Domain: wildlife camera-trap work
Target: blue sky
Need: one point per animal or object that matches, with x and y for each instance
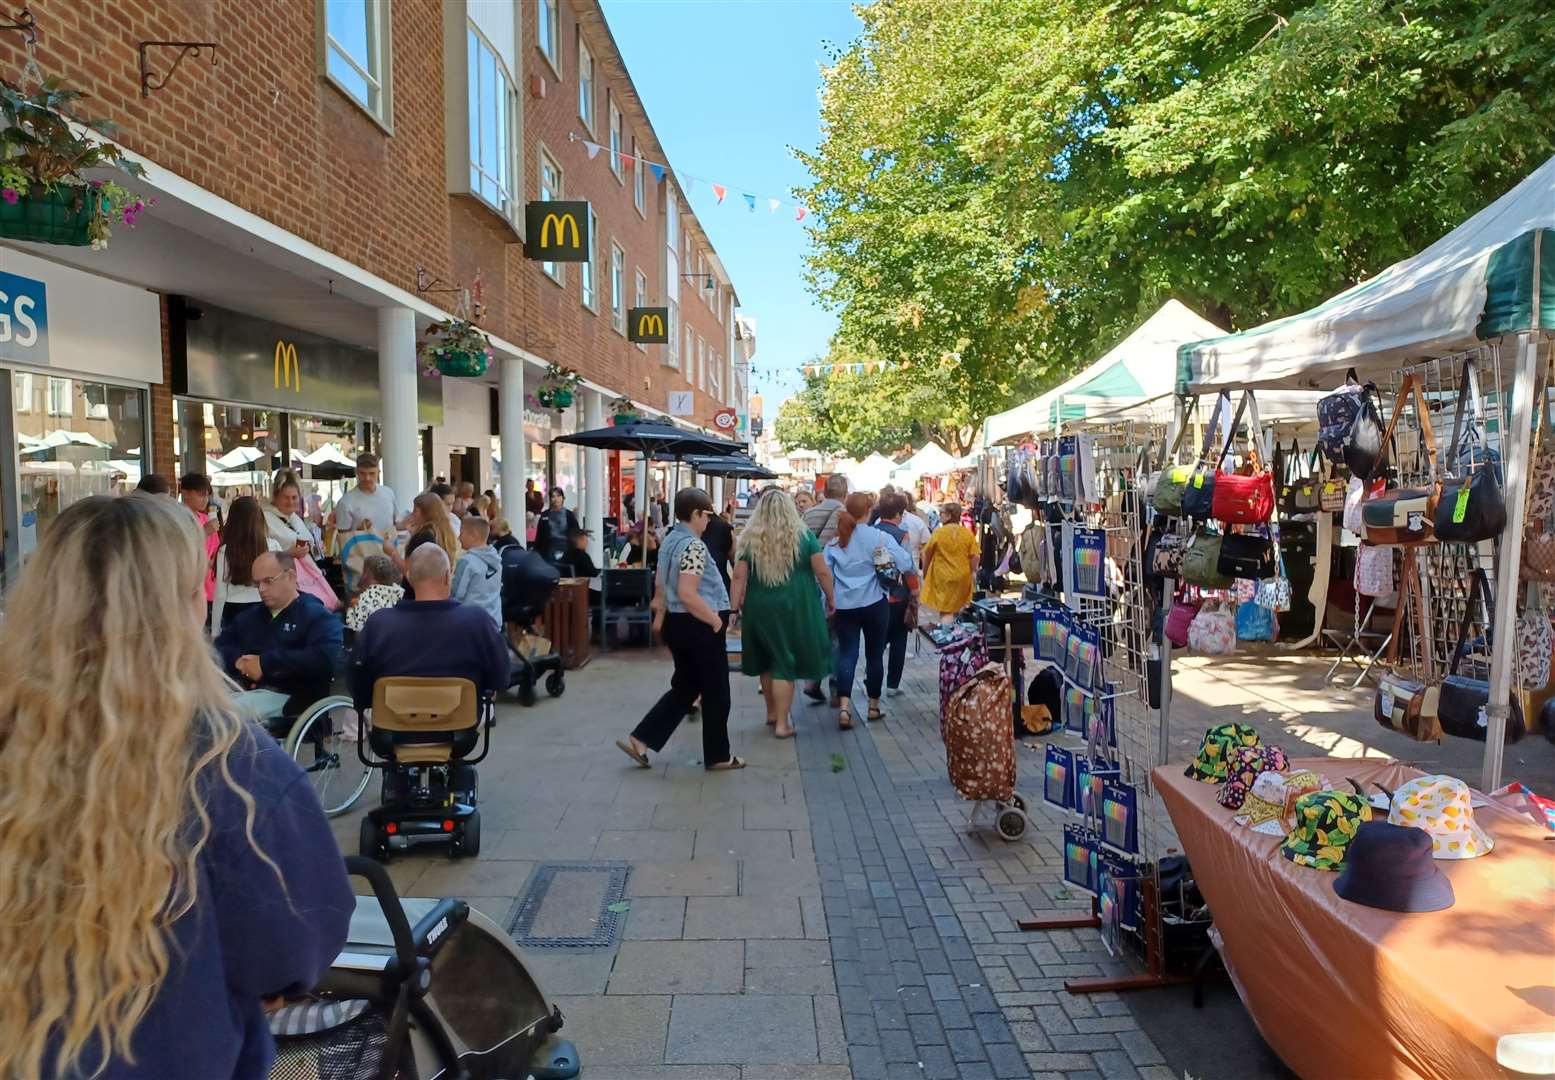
(730, 87)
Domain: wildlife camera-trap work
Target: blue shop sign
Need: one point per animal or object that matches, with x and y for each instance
(24, 320)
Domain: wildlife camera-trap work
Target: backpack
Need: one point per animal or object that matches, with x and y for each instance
(1336, 413)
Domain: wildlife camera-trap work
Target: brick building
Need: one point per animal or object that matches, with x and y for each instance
(338, 180)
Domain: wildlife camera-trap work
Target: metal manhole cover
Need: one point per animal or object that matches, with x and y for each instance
(568, 904)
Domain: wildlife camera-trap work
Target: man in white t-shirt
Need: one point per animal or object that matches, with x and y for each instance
(370, 505)
(918, 534)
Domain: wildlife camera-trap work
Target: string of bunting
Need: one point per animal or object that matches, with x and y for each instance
(866, 368)
(690, 180)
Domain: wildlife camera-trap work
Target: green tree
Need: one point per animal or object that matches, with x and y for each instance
(1005, 187)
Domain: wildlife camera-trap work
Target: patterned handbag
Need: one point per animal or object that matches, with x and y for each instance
(1354, 495)
(1166, 552)
(979, 743)
(1535, 642)
(1213, 631)
(1336, 413)
(963, 657)
(1330, 495)
(1538, 559)
(1374, 570)
(1275, 593)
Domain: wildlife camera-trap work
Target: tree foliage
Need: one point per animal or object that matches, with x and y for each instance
(1006, 187)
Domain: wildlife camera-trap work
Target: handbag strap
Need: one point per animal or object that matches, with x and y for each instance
(1468, 397)
(1409, 387)
(1477, 584)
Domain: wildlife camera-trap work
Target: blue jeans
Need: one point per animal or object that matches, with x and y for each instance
(871, 622)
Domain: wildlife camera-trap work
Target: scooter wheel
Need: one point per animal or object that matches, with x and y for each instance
(1011, 824)
(370, 844)
(556, 683)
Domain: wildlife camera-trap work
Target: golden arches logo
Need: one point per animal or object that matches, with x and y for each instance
(287, 371)
(650, 324)
(563, 223)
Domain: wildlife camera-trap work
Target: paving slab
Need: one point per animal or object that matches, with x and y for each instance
(760, 844)
(569, 972)
(679, 967)
(687, 877)
(743, 917)
(652, 918)
(664, 845)
(617, 1030)
(779, 877)
(757, 1029)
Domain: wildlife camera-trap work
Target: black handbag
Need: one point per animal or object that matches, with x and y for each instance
(1363, 444)
(1198, 498)
(1461, 705)
(1244, 555)
(1471, 507)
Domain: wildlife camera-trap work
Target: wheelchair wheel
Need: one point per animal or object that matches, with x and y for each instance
(556, 683)
(323, 742)
(467, 841)
(370, 844)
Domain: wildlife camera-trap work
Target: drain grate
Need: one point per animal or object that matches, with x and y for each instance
(566, 904)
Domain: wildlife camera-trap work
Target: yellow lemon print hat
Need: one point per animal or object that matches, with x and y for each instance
(1444, 809)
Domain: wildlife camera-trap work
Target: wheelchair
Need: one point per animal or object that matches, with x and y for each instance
(422, 736)
(319, 739)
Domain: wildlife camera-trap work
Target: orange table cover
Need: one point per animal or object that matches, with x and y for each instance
(1339, 989)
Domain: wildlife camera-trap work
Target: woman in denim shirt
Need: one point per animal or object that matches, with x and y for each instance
(694, 597)
(861, 602)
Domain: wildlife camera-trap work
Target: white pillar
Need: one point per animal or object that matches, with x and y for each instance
(515, 454)
(397, 385)
(594, 477)
(718, 494)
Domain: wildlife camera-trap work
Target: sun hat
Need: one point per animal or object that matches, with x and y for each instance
(1390, 867)
(1244, 764)
(1210, 765)
(1271, 801)
(1443, 807)
(1326, 822)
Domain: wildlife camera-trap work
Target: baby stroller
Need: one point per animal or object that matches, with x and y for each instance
(429, 989)
(527, 584)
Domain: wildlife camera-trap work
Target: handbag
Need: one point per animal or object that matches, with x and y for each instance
(1354, 495)
(1330, 494)
(1298, 483)
(1168, 481)
(1374, 570)
(1535, 642)
(1243, 555)
(1201, 562)
(1403, 703)
(1364, 441)
(1177, 622)
(1198, 497)
(1166, 553)
(1275, 593)
(1213, 631)
(1405, 516)
(1462, 702)
(1242, 498)
(1336, 413)
(1471, 507)
(311, 580)
(1254, 622)
(1538, 558)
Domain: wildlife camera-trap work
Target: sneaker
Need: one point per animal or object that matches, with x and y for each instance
(815, 694)
(893, 691)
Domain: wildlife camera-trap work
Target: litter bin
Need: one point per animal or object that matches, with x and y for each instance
(567, 621)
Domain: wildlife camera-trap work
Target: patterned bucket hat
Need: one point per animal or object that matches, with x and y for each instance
(1219, 741)
(1443, 807)
(1244, 764)
(1325, 823)
(1271, 802)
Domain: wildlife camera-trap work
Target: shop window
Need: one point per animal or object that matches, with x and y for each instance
(492, 111)
(617, 145)
(239, 448)
(60, 403)
(356, 51)
(715, 374)
(618, 288)
(587, 272)
(548, 32)
(550, 191)
(585, 85)
(96, 396)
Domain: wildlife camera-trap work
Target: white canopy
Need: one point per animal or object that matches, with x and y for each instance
(240, 456)
(871, 474)
(61, 437)
(1137, 368)
(932, 460)
(328, 454)
(1429, 305)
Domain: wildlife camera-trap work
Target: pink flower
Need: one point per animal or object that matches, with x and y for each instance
(129, 218)
(9, 195)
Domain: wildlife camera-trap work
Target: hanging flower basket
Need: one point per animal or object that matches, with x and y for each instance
(456, 349)
(460, 363)
(562, 396)
(559, 388)
(60, 216)
(623, 412)
(621, 419)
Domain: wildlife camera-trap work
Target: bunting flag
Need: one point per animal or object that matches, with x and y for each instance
(750, 201)
(799, 213)
(772, 205)
(626, 160)
(719, 191)
(658, 172)
(593, 148)
(688, 181)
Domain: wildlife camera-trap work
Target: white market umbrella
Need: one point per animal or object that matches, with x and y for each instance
(240, 456)
(328, 454)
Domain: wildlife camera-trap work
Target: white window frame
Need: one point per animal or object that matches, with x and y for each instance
(586, 88)
(638, 198)
(550, 45)
(715, 375)
(94, 410)
(617, 287)
(691, 354)
(23, 391)
(642, 298)
(554, 270)
(588, 272)
(701, 362)
(617, 145)
(508, 204)
(379, 83)
(64, 389)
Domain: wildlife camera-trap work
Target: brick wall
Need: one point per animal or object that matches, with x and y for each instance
(163, 459)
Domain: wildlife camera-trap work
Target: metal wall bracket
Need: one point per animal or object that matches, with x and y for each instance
(150, 80)
(25, 24)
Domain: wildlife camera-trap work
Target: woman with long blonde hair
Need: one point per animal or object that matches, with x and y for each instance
(164, 866)
(430, 523)
(780, 577)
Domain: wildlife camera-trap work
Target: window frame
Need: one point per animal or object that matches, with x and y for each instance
(616, 136)
(641, 283)
(22, 398)
(639, 197)
(550, 46)
(617, 287)
(514, 135)
(588, 272)
(586, 90)
(556, 271)
(380, 35)
(64, 385)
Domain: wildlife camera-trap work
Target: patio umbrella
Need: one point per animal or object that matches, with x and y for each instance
(240, 456)
(735, 466)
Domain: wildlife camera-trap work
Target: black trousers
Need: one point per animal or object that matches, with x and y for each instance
(896, 643)
(701, 669)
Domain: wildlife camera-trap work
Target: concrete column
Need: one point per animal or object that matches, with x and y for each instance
(594, 477)
(515, 453)
(718, 494)
(397, 384)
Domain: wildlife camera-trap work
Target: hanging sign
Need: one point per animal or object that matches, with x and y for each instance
(682, 403)
(557, 231)
(726, 420)
(648, 325)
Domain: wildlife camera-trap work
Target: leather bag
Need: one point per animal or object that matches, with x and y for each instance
(1201, 562)
(1471, 507)
(1364, 441)
(1243, 555)
(1330, 496)
(1297, 490)
(1406, 516)
(1177, 622)
(1463, 700)
(1402, 702)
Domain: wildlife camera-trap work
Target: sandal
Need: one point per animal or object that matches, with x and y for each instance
(724, 766)
(845, 720)
(789, 734)
(873, 715)
(632, 752)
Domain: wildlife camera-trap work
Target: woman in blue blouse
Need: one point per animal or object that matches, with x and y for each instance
(856, 556)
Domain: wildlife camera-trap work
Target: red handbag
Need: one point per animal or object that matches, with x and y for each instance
(1244, 500)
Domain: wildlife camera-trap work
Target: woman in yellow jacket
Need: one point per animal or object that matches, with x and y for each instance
(950, 565)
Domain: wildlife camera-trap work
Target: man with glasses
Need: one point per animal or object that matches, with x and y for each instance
(284, 651)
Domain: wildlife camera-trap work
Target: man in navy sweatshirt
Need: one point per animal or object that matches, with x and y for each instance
(430, 636)
(284, 651)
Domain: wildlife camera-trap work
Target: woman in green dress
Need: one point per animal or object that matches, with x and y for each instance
(779, 581)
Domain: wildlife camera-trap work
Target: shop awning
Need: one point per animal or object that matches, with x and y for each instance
(1473, 284)
(1136, 369)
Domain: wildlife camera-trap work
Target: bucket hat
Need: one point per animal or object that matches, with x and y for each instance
(1271, 801)
(1210, 765)
(1244, 764)
(1444, 809)
(1390, 867)
(1326, 822)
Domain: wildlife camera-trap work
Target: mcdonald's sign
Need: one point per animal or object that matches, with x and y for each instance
(648, 325)
(557, 231)
(287, 371)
